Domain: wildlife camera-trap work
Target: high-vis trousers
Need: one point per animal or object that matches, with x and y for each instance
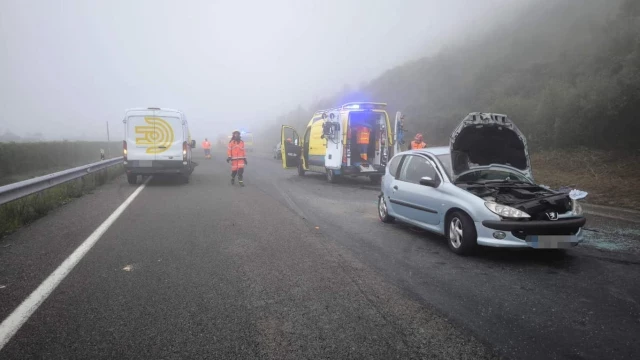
(363, 151)
(237, 168)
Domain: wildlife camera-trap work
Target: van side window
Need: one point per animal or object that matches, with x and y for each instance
(416, 167)
(393, 165)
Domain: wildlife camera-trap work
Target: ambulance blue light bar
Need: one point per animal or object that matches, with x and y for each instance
(364, 106)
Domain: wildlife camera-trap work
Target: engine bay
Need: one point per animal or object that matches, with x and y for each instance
(530, 198)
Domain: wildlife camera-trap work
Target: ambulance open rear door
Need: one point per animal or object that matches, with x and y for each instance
(332, 133)
(398, 133)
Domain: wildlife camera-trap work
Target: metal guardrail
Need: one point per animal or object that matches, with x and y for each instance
(24, 188)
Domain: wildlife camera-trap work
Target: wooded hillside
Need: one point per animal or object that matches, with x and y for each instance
(567, 72)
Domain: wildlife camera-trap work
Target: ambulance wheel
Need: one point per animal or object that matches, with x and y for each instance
(331, 176)
(300, 170)
(375, 179)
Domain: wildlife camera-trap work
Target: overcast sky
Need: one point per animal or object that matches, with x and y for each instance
(67, 67)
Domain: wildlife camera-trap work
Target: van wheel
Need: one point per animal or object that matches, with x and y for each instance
(185, 179)
(462, 237)
(375, 179)
(132, 179)
(331, 176)
(383, 211)
(301, 170)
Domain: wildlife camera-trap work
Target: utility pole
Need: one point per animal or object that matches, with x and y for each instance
(108, 142)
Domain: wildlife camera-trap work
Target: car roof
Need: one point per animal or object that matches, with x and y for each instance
(436, 150)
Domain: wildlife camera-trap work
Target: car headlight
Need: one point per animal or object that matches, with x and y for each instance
(506, 211)
(576, 208)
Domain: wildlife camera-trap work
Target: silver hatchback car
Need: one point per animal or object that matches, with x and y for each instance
(479, 191)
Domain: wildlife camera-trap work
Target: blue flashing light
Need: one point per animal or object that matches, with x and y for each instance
(364, 106)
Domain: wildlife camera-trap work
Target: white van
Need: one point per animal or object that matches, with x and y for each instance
(156, 141)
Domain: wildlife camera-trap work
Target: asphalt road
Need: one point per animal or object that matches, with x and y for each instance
(292, 267)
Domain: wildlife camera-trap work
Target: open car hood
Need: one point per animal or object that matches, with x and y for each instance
(484, 139)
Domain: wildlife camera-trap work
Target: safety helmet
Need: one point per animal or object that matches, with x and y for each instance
(235, 131)
(418, 137)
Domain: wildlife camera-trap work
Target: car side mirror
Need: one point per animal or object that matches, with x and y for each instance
(427, 181)
(193, 144)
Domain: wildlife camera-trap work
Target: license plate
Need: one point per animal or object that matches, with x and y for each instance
(550, 241)
(145, 163)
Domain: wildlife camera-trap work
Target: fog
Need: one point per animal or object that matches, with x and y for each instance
(68, 67)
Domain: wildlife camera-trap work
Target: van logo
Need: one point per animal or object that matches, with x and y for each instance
(552, 215)
(157, 136)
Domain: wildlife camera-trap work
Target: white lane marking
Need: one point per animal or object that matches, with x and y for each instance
(21, 314)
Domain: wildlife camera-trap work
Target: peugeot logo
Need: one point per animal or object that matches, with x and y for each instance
(552, 215)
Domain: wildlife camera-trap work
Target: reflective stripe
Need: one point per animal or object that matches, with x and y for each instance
(363, 136)
(235, 150)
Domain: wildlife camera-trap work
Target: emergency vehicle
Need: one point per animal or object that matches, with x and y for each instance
(330, 142)
(247, 137)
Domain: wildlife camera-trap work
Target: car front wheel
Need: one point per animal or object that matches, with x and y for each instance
(461, 233)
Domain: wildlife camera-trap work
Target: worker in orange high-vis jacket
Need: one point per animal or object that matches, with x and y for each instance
(237, 156)
(206, 145)
(417, 143)
(363, 134)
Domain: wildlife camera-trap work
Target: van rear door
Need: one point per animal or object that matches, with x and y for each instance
(140, 138)
(169, 136)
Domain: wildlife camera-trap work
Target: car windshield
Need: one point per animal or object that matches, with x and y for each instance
(445, 160)
(492, 175)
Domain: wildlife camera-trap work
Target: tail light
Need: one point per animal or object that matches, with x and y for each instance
(184, 151)
(124, 150)
(344, 155)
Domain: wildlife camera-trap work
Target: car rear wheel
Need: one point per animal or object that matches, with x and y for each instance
(132, 179)
(461, 233)
(383, 211)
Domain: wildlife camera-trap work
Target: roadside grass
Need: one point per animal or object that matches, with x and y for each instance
(24, 211)
(610, 178)
(20, 161)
